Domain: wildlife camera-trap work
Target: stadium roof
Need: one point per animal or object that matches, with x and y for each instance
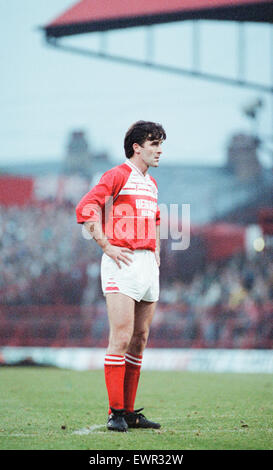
(102, 15)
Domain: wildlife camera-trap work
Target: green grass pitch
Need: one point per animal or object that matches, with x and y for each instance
(55, 409)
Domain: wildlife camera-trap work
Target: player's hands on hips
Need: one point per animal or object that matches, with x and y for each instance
(118, 254)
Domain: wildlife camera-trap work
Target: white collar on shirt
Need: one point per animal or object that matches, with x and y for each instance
(134, 167)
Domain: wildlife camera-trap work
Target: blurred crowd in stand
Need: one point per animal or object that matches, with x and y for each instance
(48, 266)
(227, 305)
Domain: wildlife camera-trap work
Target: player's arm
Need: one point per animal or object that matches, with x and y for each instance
(89, 212)
(117, 253)
(157, 247)
(157, 231)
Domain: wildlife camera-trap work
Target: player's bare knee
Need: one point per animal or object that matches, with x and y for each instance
(119, 342)
(139, 341)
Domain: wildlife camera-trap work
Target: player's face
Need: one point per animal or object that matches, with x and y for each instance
(150, 152)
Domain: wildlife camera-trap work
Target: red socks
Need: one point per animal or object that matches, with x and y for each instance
(114, 370)
(121, 379)
(132, 373)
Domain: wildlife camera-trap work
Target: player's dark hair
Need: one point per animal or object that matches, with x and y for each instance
(141, 131)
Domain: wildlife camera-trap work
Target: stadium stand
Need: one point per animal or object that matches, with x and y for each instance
(216, 294)
(51, 295)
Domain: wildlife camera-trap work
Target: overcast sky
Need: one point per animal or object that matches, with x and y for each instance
(46, 93)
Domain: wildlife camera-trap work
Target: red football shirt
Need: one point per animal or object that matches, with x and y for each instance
(125, 201)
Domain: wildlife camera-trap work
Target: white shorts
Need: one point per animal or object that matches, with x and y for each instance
(139, 280)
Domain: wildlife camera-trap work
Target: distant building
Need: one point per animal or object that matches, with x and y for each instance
(81, 160)
(232, 192)
(78, 157)
(242, 158)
